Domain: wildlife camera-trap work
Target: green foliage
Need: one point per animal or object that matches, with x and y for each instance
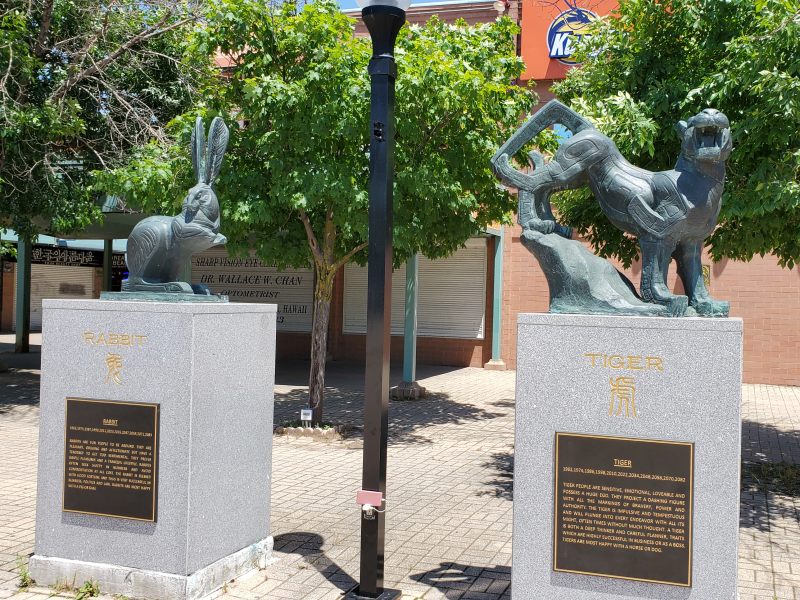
(8, 249)
(654, 63)
(82, 82)
(299, 82)
(25, 579)
(89, 589)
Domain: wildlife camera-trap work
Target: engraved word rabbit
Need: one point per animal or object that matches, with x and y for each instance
(159, 247)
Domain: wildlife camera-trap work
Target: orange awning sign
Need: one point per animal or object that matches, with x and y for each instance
(552, 29)
(565, 31)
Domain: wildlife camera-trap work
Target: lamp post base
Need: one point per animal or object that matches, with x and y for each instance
(386, 594)
(408, 390)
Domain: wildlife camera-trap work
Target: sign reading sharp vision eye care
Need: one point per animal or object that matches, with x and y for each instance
(623, 508)
(551, 29)
(247, 279)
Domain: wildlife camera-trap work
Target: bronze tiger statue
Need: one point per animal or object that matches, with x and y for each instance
(670, 212)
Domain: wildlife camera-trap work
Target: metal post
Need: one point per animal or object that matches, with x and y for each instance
(409, 388)
(384, 23)
(108, 264)
(410, 333)
(497, 363)
(22, 338)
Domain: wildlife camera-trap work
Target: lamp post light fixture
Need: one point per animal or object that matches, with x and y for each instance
(383, 19)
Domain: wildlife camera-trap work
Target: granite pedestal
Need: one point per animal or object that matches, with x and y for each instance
(210, 369)
(652, 406)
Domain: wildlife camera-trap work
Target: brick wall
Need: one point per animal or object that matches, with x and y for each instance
(764, 295)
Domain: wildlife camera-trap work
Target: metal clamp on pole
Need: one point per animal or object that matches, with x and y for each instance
(371, 503)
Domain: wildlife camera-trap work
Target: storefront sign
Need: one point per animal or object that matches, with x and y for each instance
(247, 279)
(566, 30)
(71, 257)
(551, 29)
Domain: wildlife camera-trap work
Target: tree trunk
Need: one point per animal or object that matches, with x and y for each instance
(323, 294)
(325, 268)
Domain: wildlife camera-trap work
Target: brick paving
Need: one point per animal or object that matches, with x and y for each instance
(449, 496)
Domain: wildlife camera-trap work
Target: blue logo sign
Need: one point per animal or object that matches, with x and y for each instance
(566, 30)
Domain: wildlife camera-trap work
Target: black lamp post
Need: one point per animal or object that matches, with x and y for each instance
(383, 19)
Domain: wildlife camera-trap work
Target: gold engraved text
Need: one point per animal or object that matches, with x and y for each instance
(114, 365)
(93, 464)
(113, 339)
(625, 518)
(623, 394)
(630, 362)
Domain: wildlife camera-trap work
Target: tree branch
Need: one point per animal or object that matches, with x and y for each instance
(312, 239)
(347, 257)
(329, 237)
(40, 49)
(97, 67)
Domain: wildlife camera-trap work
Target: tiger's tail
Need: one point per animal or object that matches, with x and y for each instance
(551, 113)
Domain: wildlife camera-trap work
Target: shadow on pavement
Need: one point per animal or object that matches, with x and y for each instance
(407, 418)
(309, 546)
(486, 582)
(502, 485)
(25, 360)
(766, 443)
(346, 375)
(18, 388)
(344, 398)
(770, 474)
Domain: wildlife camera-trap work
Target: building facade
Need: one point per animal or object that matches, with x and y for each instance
(59, 269)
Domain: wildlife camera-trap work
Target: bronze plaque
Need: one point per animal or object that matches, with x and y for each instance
(111, 458)
(623, 508)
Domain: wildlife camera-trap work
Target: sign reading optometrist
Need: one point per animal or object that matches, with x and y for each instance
(551, 30)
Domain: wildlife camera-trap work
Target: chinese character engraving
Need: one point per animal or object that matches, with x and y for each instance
(707, 275)
(623, 393)
(114, 365)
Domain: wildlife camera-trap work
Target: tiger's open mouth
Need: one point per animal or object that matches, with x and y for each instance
(711, 135)
(707, 137)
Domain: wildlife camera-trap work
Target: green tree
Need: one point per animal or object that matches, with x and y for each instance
(653, 63)
(82, 82)
(295, 184)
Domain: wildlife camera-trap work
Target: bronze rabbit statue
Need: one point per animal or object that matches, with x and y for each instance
(159, 247)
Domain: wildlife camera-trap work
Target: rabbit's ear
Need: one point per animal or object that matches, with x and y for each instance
(198, 147)
(217, 142)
